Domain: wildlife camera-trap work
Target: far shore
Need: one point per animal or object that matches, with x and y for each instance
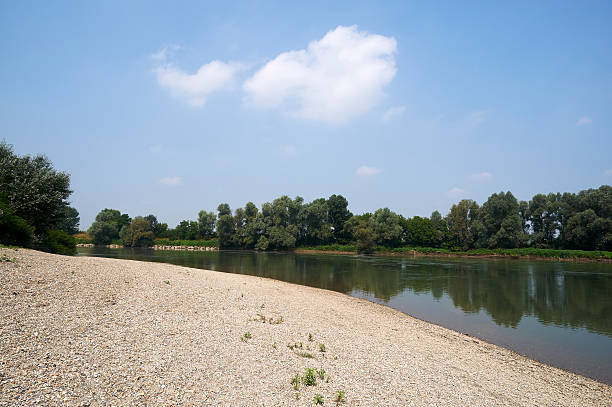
(97, 331)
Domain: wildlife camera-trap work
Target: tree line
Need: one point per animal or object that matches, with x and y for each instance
(555, 221)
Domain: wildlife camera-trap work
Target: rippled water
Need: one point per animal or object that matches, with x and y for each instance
(559, 313)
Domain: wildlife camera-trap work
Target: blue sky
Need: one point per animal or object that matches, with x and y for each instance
(170, 108)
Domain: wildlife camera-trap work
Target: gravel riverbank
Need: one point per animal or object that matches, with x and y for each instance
(82, 331)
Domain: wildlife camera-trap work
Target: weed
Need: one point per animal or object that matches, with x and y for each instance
(246, 337)
(340, 397)
(322, 347)
(295, 381)
(297, 396)
(276, 321)
(305, 354)
(321, 373)
(318, 399)
(167, 282)
(7, 259)
(274, 345)
(309, 378)
(310, 337)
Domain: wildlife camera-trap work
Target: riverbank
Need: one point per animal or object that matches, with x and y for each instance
(160, 247)
(97, 331)
(575, 256)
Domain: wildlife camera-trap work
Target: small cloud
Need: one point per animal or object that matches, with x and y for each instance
(482, 176)
(162, 54)
(289, 150)
(393, 113)
(194, 88)
(455, 192)
(333, 79)
(475, 118)
(584, 120)
(171, 181)
(156, 148)
(608, 173)
(365, 171)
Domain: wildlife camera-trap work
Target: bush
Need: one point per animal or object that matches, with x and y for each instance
(60, 242)
(14, 231)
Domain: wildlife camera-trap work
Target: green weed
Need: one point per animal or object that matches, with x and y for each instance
(318, 399)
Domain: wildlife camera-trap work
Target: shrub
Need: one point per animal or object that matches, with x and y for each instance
(60, 242)
(14, 231)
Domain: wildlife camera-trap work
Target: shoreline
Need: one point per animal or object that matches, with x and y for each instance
(158, 334)
(415, 253)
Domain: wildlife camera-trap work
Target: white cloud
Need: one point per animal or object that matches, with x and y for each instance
(608, 173)
(393, 113)
(365, 171)
(482, 176)
(584, 120)
(475, 118)
(163, 53)
(289, 150)
(171, 181)
(337, 77)
(455, 192)
(194, 88)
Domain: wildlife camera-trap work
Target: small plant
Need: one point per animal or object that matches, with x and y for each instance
(310, 337)
(295, 381)
(305, 354)
(167, 282)
(5, 258)
(321, 373)
(297, 396)
(318, 399)
(309, 378)
(246, 337)
(340, 397)
(322, 347)
(274, 345)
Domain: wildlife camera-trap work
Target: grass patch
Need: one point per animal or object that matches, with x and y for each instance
(246, 337)
(318, 399)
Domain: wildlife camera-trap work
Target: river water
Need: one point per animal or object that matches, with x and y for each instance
(556, 312)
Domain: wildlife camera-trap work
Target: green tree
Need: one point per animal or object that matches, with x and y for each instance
(158, 229)
(387, 226)
(206, 224)
(225, 225)
(421, 232)
(338, 215)
(138, 233)
(70, 221)
(60, 242)
(503, 223)
(460, 220)
(107, 226)
(34, 191)
(186, 229)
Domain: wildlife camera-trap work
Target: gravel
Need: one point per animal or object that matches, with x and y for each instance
(79, 331)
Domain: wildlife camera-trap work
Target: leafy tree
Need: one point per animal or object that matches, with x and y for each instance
(70, 221)
(107, 226)
(187, 230)
(206, 224)
(138, 233)
(587, 231)
(158, 229)
(338, 215)
(421, 232)
(34, 189)
(313, 223)
(225, 225)
(387, 226)
(460, 221)
(500, 216)
(365, 238)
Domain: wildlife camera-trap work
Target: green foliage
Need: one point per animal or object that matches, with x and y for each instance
(14, 231)
(322, 347)
(225, 226)
(246, 337)
(421, 232)
(206, 224)
(340, 397)
(138, 233)
(318, 399)
(59, 242)
(70, 220)
(34, 189)
(105, 229)
(309, 378)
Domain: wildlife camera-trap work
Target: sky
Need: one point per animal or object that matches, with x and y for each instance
(173, 107)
